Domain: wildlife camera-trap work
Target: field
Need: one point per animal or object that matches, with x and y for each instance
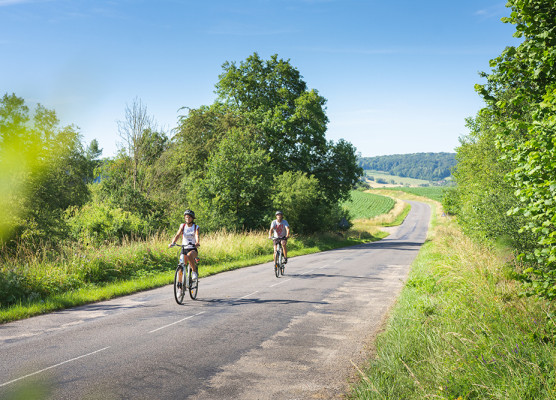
(368, 205)
(381, 179)
(384, 178)
(432, 192)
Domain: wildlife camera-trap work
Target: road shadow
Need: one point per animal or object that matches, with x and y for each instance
(254, 300)
(334, 276)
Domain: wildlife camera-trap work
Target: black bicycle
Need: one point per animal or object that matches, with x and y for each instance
(183, 278)
(278, 259)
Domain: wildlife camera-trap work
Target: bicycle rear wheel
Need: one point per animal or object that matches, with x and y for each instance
(193, 284)
(179, 290)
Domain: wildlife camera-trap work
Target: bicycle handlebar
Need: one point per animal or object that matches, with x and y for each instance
(182, 245)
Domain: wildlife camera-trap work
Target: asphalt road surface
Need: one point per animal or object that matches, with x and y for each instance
(249, 335)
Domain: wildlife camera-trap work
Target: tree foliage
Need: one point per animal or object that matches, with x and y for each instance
(44, 170)
(272, 96)
(234, 193)
(427, 166)
(519, 93)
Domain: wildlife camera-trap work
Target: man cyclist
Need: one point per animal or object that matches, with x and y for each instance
(190, 239)
(281, 230)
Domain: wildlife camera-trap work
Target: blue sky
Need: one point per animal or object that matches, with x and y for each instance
(398, 75)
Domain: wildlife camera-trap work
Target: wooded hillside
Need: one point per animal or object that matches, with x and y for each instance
(428, 166)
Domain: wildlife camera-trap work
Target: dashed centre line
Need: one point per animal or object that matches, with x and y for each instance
(250, 294)
(279, 283)
(53, 366)
(177, 322)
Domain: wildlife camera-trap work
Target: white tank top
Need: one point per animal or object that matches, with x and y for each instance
(189, 234)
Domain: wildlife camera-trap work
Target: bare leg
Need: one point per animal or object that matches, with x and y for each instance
(191, 258)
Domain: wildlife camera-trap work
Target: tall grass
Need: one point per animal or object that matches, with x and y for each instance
(461, 330)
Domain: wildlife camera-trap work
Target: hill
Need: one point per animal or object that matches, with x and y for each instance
(426, 166)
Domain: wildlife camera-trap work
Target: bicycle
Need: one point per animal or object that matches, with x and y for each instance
(184, 281)
(278, 259)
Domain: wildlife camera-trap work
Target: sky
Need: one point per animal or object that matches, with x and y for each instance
(398, 75)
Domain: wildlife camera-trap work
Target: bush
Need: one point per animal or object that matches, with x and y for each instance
(300, 197)
(94, 224)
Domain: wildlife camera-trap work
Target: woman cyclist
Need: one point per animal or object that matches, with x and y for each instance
(281, 230)
(190, 239)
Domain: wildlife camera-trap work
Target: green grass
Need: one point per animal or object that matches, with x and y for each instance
(368, 205)
(433, 192)
(461, 330)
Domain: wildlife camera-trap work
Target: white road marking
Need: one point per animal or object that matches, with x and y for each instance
(177, 322)
(251, 294)
(53, 366)
(279, 283)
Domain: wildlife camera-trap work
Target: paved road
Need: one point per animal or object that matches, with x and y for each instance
(249, 335)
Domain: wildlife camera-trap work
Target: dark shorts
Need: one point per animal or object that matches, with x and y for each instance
(278, 240)
(187, 250)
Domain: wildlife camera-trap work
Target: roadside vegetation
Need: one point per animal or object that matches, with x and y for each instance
(462, 328)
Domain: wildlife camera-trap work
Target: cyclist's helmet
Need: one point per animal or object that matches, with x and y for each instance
(279, 212)
(189, 212)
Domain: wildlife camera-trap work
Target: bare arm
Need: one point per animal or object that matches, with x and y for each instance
(180, 231)
(197, 244)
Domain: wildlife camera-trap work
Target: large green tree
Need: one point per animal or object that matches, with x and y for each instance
(273, 96)
(289, 121)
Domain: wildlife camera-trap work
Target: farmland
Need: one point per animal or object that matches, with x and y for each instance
(432, 192)
(367, 205)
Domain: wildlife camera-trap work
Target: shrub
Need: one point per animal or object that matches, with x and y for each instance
(94, 224)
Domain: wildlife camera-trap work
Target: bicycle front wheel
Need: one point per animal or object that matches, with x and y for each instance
(179, 289)
(277, 265)
(193, 284)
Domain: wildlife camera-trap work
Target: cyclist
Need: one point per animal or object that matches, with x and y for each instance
(281, 230)
(190, 238)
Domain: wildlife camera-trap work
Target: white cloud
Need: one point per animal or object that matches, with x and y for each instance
(496, 11)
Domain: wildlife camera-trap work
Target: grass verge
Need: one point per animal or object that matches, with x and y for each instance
(461, 330)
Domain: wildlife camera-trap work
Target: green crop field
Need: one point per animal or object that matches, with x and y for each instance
(433, 192)
(367, 205)
(385, 177)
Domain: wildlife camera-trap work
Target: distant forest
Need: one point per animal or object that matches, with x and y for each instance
(427, 166)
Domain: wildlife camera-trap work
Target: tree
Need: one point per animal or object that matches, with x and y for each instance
(289, 121)
(300, 197)
(132, 131)
(272, 96)
(235, 193)
(338, 171)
